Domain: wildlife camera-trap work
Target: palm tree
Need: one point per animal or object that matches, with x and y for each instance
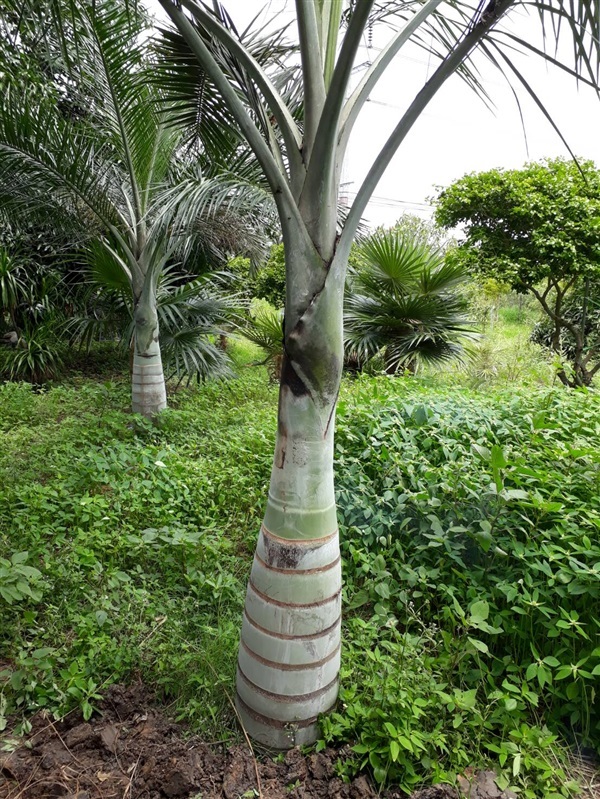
(264, 327)
(290, 648)
(192, 313)
(117, 172)
(403, 302)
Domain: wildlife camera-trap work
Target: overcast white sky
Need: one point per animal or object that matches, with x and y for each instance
(457, 133)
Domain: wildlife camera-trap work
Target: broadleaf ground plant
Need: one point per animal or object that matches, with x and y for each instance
(474, 567)
(468, 524)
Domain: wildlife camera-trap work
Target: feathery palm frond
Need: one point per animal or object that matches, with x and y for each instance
(49, 164)
(190, 355)
(195, 104)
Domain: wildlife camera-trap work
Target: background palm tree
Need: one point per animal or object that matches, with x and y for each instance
(403, 302)
(118, 173)
(193, 311)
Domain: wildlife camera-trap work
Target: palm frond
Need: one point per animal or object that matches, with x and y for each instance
(205, 303)
(49, 164)
(188, 354)
(121, 100)
(106, 267)
(402, 300)
(220, 216)
(195, 104)
(264, 327)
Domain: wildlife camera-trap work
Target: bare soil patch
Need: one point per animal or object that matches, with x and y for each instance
(132, 750)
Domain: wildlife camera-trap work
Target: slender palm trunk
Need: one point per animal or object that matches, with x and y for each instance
(290, 647)
(149, 395)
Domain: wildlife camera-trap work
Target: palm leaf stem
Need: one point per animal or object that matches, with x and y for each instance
(312, 72)
(320, 186)
(447, 68)
(332, 15)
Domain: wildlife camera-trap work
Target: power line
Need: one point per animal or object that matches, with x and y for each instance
(377, 199)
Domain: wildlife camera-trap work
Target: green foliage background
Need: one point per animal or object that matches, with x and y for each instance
(469, 527)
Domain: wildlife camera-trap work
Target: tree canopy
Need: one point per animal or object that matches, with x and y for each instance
(522, 226)
(536, 230)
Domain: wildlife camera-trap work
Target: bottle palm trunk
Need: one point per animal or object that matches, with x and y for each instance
(289, 653)
(149, 395)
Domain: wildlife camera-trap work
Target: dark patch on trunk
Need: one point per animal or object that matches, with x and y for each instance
(299, 328)
(283, 556)
(291, 380)
(332, 379)
(281, 457)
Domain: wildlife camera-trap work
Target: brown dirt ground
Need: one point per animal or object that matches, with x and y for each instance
(131, 750)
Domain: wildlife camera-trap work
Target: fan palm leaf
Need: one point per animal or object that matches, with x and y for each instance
(264, 327)
(402, 301)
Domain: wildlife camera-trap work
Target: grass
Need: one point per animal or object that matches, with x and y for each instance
(125, 549)
(84, 486)
(504, 356)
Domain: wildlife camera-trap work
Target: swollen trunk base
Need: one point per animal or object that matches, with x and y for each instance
(290, 646)
(149, 395)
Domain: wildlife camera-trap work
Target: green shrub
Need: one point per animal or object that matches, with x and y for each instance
(477, 517)
(269, 283)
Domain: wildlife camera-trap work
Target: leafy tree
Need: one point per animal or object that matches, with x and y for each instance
(403, 301)
(422, 230)
(116, 176)
(535, 230)
(269, 283)
(289, 656)
(265, 280)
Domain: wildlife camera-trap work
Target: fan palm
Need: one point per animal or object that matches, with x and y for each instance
(264, 327)
(117, 174)
(403, 301)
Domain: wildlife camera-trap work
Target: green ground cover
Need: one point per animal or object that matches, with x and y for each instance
(469, 519)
